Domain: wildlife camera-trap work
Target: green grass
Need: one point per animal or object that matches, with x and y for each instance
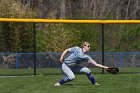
(54, 71)
(121, 83)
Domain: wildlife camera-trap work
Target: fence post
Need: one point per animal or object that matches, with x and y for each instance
(121, 59)
(17, 61)
(103, 61)
(34, 30)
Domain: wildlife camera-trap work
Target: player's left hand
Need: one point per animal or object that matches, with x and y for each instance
(112, 70)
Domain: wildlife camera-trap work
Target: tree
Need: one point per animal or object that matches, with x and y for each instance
(16, 37)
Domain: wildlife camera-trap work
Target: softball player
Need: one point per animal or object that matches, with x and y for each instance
(71, 64)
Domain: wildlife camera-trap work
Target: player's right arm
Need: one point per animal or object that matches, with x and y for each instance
(72, 49)
(63, 54)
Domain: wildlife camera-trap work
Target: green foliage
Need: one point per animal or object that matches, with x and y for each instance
(111, 37)
(122, 37)
(58, 37)
(90, 33)
(129, 39)
(16, 37)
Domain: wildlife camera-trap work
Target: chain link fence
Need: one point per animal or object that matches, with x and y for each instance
(121, 47)
(48, 62)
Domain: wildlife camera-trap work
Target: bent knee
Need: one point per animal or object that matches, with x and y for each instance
(86, 70)
(72, 77)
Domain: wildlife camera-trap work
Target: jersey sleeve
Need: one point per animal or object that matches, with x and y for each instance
(88, 58)
(72, 49)
(79, 54)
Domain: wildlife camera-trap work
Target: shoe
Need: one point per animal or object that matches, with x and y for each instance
(97, 84)
(57, 84)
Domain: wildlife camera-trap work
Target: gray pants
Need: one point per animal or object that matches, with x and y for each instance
(69, 71)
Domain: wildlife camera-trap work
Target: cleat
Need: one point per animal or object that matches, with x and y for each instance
(97, 84)
(57, 84)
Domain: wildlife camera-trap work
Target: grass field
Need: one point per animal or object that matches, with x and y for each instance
(121, 83)
(54, 71)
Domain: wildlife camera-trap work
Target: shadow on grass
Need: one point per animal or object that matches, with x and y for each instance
(77, 84)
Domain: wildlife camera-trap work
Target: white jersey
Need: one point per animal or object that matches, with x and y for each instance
(76, 57)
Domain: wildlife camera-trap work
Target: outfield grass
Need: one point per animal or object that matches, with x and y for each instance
(54, 71)
(121, 83)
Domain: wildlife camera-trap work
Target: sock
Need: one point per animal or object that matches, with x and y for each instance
(91, 78)
(64, 80)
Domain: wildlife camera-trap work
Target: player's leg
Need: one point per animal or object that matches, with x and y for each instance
(87, 71)
(69, 75)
